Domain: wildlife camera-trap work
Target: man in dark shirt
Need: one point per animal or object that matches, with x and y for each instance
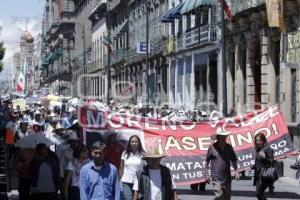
(219, 156)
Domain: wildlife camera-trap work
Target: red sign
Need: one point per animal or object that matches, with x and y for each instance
(186, 143)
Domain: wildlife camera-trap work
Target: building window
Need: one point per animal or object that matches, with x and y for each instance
(180, 26)
(173, 28)
(188, 22)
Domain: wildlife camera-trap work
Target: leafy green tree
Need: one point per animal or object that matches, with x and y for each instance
(2, 53)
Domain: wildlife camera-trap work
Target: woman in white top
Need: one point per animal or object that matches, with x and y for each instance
(79, 159)
(131, 164)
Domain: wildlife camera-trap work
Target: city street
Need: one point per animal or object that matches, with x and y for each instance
(97, 96)
(285, 188)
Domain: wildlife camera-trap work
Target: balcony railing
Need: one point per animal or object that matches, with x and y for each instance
(200, 35)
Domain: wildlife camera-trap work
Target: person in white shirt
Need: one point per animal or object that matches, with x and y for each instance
(71, 185)
(131, 165)
(153, 113)
(155, 182)
(13, 124)
(23, 130)
(11, 131)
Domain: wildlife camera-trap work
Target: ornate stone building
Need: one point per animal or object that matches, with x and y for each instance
(58, 45)
(260, 68)
(128, 63)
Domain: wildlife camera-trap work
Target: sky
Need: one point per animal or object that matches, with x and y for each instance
(15, 17)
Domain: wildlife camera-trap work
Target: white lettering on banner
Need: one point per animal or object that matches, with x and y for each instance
(147, 124)
(113, 125)
(187, 127)
(188, 143)
(248, 164)
(239, 121)
(99, 122)
(245, 157)
(281, 152)
(171, 123)
(266, 131)
(172, 142)
(177, 166)
(281, 144)
(176, 176)
(192, 175)
(135, 122)
(204, 143)
(240, 138)
(272, 111)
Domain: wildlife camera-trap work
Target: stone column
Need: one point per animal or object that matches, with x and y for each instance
(240, 75)
(220, 81)
(267, 76)
(230, 67)
(250, 87)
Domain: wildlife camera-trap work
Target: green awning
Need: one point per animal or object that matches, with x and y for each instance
(190, 5)
(50, 57)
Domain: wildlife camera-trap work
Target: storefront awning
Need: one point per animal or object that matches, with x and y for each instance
(173, 13)
(190, 5)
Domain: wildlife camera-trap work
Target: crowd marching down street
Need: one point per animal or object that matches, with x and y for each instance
(49, 151)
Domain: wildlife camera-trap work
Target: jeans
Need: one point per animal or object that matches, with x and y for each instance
(127, 193)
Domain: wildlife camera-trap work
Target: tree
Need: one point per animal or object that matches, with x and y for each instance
(2, 53)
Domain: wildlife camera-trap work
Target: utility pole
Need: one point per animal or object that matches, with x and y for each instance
(60, 48)
(224, 82)
(147, 54)
(108, 70)
(84, 60)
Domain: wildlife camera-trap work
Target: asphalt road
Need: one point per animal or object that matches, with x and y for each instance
(285, 189)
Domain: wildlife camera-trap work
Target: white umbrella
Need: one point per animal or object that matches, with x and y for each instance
(32, 140)
(178, 115)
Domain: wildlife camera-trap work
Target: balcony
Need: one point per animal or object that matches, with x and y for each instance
(199, 35)
(241, 5)
(118, 56)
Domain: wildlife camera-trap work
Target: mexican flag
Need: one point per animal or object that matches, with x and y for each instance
(21, 79)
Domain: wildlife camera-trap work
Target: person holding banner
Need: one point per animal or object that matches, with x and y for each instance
(219, 155)
(131, 164)
(264, 158)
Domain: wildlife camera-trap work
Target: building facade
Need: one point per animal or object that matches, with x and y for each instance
(58, 45)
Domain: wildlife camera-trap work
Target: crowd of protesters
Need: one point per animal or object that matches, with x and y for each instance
(64, 168)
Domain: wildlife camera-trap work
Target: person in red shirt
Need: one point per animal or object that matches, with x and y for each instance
(114, 149)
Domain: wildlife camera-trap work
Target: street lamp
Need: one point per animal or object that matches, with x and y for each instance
(60, 45)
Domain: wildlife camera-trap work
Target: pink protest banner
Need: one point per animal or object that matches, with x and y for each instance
(185, 144)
